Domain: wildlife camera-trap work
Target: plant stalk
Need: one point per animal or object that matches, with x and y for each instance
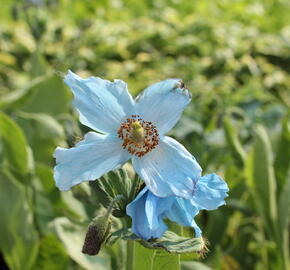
(130, 255)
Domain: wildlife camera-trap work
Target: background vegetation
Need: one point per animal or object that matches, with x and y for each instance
(234, 57)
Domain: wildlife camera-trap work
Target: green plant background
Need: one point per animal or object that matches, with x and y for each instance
(234, 56)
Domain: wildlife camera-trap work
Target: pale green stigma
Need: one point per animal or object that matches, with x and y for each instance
(137, 132)
(139, 136)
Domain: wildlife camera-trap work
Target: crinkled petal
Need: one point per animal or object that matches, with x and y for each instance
(211, 190)
(102, 105)
(155, 207)
(163, 103)
(147, 213)
(168, 170)
(183, 212)
(197, 230)
(88, 160)
(209, 194)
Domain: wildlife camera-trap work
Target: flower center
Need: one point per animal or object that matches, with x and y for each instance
(139, 136)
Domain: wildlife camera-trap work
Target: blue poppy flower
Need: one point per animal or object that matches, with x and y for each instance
(128, 129)
(148, 211)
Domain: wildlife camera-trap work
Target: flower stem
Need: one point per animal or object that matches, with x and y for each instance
(130, 255)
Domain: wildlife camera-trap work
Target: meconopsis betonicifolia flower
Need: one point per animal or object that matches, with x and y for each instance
(127, 129)
(148, 211)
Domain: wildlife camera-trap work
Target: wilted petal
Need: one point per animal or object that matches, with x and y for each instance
(183, 212)
(147, 210)
(102, 105)
(168, 170)
(209, 194)
(163, 103)
(88, 160)
(211, 190)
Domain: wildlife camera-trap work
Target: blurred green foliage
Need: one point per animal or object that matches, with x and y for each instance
(234, 57)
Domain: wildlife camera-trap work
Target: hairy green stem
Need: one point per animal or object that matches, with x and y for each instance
(130, 255)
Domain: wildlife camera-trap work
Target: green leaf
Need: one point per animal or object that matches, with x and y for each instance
(284, 207)
(14, 99)
(19, 239)
(284, 220)
(73, 236)
(52, 254)
(148, 259)
(48, 196)
(169, 242)
(45, 175)
(263, 180)
(43, 132)
(194, 266)
(38, 64)
(14, 145)
(282, 159)
(44, 125)
(44, 201)
(49, 96)
(234, 142)
(74, 208)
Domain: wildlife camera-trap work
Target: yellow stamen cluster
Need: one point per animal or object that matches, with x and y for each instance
(139, 136)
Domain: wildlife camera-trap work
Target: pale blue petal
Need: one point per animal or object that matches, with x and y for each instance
(102, 105)
(183, 213)
(197, 230)
(155, 208)
(88, 160)
(163, 103)
(211, 190)
(147, 213)
(168, 170)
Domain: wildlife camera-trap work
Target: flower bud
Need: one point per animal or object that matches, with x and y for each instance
(96, 235)
(99, 230)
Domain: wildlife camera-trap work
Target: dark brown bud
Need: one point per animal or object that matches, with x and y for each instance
(96, 235)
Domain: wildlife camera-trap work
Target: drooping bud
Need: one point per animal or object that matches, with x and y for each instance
(98, 230)
(96, 235)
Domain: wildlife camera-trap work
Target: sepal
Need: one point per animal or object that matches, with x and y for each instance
(170, 242)
(115, 183)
